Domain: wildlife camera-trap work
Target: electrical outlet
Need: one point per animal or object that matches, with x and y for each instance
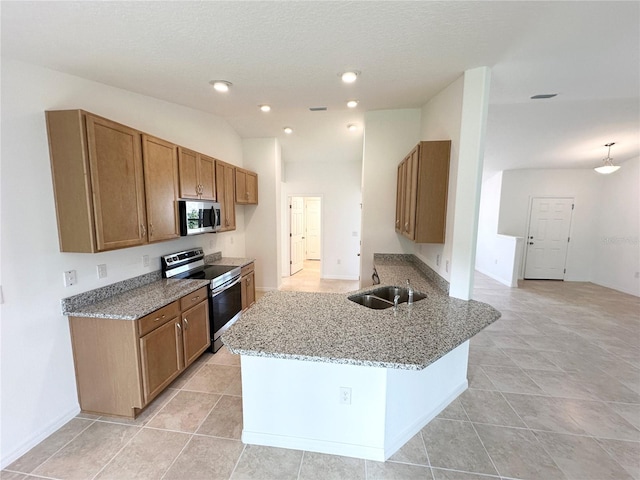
(446, 266)
(145, 260)
(345, 395)
(70, 278)
(102, 270)
(438, 260)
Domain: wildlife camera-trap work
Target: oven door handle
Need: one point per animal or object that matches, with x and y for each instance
(222, 288)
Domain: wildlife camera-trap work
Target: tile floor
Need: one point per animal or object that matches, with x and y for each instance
(308, 280)
(554, 393)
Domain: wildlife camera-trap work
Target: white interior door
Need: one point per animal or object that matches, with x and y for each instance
(312, 235)
(296, 234)
(548, 238)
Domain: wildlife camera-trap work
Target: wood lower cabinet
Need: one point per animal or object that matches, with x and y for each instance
(248, 290)
(225, 188)
(122, 365)
(421, 196)
(197, 175)
(246, 187)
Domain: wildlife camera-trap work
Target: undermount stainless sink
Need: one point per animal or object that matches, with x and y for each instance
(371, 301)
(383, 297)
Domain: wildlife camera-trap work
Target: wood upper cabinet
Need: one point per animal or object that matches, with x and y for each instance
(246, 187)
(197, 175)
(98, 182)
(122, 365)
(225, 188)
(248, 286)
(421, 196)
(161, 188)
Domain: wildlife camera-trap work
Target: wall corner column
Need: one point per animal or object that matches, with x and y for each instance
(475, 105)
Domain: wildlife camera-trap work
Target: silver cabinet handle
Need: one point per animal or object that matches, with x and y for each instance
(143, 229)
(186, 323)
(159, 318)
(179, 328)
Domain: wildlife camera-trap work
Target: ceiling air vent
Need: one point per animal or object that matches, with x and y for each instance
(543, 96)
(318, 109)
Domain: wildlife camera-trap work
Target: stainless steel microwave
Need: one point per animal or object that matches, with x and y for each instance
(198, 217)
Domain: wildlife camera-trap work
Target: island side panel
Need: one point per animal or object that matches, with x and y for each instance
(297, 404)
(415, 397)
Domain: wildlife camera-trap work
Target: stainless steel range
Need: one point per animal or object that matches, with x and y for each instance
(225, 298)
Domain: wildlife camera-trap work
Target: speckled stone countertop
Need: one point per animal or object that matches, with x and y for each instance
(138, 302)
(328, 327)
(231, 261)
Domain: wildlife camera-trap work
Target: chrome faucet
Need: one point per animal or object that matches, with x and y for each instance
(410, 292)
(396, 299)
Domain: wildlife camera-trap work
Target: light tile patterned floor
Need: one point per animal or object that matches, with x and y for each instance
(554, 394)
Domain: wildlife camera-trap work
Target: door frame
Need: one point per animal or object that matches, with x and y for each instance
(527, 234)
(288, 231)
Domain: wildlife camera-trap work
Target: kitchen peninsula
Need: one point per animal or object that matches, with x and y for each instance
(325, 374)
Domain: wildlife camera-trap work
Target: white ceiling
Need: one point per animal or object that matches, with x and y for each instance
(289, 54)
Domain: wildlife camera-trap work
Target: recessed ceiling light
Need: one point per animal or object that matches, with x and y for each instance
(542, 96)
(352, 127)
(352, 103)
(265, 108)
(349, 77)
(221, 85)
(288, 130)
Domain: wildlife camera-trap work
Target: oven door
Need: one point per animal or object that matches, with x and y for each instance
(225, 305)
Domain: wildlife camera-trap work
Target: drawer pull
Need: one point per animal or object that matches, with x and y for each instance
(158, 318)
(195, 298)
(186, 323)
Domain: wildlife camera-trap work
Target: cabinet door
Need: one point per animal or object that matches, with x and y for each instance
(400, 193)
(207, 178)
(225, 189)
(161, 187)
(411, 193)
(241, 186)
(161, 358)
(188, 169)
(117, 183)
(195, 327)
(251, 289)
(252, 188)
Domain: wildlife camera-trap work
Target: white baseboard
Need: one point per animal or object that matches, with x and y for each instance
(314, 445)
(496, 278)
(37, 437)
(340, 277)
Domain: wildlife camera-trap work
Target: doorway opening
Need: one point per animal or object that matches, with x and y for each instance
(548, 238)
(305, 233)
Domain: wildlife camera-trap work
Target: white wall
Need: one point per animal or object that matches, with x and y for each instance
(262, 221)
(388, 136)
(338, 184)
(441, 120)
(38, 391)
(519, 186)
(617, 249)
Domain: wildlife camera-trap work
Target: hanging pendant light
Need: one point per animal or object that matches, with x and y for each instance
(607, 166)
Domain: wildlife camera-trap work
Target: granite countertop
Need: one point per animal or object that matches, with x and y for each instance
(232, 261)
(138, 302)
(328, 327)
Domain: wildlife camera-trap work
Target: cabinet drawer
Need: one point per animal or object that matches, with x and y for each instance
(194, 298)
(247, 269)
(157, 318)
